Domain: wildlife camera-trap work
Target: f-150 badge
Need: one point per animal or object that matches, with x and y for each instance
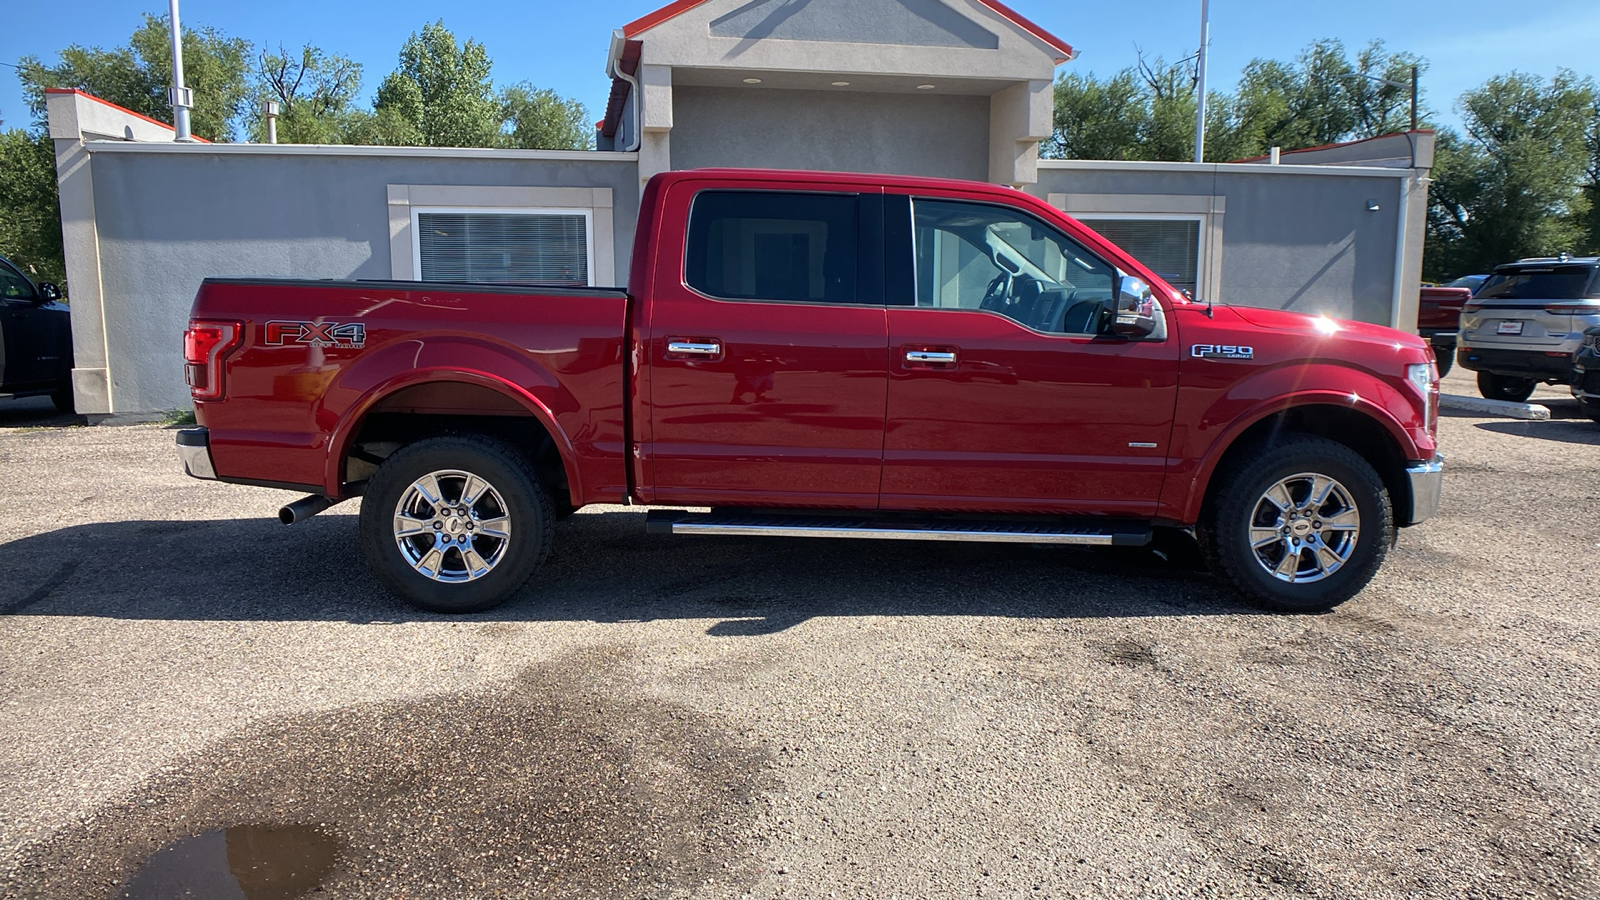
(316, 334)
(1222, 351)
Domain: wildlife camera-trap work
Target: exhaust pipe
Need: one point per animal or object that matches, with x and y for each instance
(304, 508)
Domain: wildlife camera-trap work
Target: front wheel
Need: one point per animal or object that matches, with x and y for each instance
(1505, 387)
(1300, 525)
(455, 524)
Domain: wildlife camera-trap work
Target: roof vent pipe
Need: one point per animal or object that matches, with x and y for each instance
(182, 98)
(1273, 157)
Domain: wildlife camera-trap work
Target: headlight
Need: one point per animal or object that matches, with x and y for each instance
(1425, 378)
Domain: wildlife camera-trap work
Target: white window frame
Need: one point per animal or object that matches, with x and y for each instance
(418, 211)
(594, 204)
(1089, 218)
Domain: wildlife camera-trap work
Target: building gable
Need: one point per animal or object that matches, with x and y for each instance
(925, 23)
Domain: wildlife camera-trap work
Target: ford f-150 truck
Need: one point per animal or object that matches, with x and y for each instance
(822, 355)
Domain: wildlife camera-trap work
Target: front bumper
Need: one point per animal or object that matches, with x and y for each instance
(1427, 483)
(194, 448)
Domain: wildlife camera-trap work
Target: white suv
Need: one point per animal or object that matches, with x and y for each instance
(1523, 326)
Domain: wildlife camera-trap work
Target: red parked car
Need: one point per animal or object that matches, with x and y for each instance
(822, 355)
(1439, 316)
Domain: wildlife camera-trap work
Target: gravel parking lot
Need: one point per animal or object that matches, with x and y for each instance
(660, 717)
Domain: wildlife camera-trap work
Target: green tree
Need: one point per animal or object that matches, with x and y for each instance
(541, 119)
(316, 93)
(30, 215)
(442, 91)
(1509, 187)
(136, 76)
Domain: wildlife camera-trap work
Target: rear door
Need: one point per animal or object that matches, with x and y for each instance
(767, 349)
(1005, 394)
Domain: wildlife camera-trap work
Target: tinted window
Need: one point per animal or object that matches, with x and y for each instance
(13, 286)
(1541, 283)
(767, 245)
(977, 256)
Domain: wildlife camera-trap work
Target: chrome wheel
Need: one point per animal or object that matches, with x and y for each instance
(452, 526)
(1304, 528)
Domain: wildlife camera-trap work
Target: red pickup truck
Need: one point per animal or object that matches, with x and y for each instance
(822, 355)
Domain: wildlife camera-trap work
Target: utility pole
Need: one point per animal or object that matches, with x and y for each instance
(182, 98)
(1200, 81)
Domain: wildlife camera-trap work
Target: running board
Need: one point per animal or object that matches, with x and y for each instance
(1115, 533)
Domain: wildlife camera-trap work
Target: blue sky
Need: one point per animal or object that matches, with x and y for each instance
(562, 45)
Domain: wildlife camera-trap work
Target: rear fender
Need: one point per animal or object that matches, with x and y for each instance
(1269, 393)
(362, 385)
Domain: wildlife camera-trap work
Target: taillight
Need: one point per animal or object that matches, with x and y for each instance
(1572, 309)
(205, 345)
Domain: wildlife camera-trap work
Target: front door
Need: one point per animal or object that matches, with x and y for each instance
(28, 346)
(1006, 392)
(768, 354)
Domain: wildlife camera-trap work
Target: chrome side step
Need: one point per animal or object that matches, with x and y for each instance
(1116, 533)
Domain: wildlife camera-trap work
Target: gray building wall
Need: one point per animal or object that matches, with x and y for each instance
(167, 220)
(1293, 238)
(900, 134)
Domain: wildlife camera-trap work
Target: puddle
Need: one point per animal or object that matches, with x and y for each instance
(246, 862)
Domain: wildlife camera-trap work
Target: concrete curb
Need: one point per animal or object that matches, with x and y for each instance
(1494, 407)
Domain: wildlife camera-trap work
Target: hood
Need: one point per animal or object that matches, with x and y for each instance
(1325, 327)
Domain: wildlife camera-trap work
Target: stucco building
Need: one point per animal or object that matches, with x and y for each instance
(954, 88)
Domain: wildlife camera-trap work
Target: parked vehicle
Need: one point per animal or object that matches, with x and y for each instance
(1586, 373)
(1439, 317)
(1470, 282)
(1526, 322)
(35, 339)
(822, 355)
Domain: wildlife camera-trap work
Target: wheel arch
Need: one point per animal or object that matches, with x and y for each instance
(1368, 430)
(441, 400)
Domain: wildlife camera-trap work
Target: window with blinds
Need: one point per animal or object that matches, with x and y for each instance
(1169, 247)
(491, 247)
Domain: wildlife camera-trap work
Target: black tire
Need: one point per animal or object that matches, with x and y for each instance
(514, 485)
(63, 400)
(1505, 387)
(1590, 409)
(1235, 504)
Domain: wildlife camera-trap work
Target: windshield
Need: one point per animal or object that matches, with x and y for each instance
(1540, 283)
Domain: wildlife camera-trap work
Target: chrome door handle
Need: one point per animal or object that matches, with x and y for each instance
(929, 356)
(694, 348)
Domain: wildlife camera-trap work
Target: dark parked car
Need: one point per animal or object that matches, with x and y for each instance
(1586, 373)
(35, 339)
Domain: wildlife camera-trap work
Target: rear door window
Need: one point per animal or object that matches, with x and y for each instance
(775, 246)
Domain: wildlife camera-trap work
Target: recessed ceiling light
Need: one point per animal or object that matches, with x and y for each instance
(924, 87)
(752, 81)
(841, 84)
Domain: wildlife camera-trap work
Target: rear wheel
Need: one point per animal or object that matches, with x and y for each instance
(1505, 387)
(1300, 525)
(455, 524)
(61, 397)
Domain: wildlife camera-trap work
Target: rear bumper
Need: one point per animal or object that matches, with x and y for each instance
(1517, 363)
(1427, 483)
(194, 448)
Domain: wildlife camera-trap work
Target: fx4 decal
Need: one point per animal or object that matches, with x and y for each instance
(1222, 351)
(316, 334)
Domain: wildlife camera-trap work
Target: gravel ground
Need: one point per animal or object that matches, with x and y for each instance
(662, 717)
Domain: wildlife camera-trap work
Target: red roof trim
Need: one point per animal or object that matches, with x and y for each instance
(123, 109)
(650, 20)
(1376, 137)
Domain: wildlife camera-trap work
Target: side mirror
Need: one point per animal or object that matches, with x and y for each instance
(49, 291)
(1136, 313)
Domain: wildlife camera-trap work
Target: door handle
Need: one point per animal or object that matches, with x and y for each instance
(694, 348)
(935, 357)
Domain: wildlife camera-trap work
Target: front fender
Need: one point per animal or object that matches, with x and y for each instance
(1215, 423)
(365, 383)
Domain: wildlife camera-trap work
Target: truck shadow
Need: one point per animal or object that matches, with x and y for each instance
(1569, 431)
(604, 568)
